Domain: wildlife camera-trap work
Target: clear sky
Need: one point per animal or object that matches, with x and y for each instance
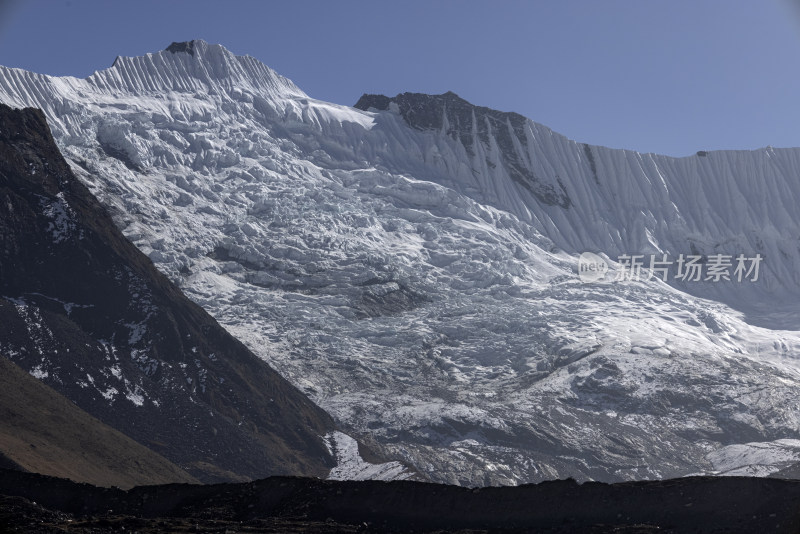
(671, 76)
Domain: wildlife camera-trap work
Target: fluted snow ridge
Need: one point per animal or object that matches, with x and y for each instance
(612, 201)
(192, 66)
(198, 67)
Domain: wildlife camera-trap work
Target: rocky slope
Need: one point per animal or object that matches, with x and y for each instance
(43, 432)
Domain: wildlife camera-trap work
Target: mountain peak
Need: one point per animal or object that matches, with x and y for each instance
(185, 46)
(473, 125)
(198, 48)
(381, 102)
(194, 66)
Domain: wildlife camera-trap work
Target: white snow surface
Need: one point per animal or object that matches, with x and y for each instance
(756, 459)
(421, 296)
(350, 465)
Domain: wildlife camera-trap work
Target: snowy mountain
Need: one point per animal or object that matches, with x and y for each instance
(590, 198)
(86, 312)
(412, 266)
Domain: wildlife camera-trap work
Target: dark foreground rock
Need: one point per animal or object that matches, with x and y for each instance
(35, 503)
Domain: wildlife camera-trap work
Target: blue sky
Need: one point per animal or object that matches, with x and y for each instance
(671, 77)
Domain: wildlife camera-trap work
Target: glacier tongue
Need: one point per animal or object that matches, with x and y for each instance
(350, 465)
(403, 276)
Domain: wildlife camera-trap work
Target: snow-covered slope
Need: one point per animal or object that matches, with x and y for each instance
(413, 267)
(592, 198)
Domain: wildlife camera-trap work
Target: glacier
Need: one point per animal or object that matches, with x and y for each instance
(411, 264)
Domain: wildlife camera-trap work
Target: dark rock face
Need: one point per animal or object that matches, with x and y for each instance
(186, 46)
(85, 311)
(470, 124)
(33, 503)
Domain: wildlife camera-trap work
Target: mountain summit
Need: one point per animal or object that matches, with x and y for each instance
(185, 46)
(471, 126)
